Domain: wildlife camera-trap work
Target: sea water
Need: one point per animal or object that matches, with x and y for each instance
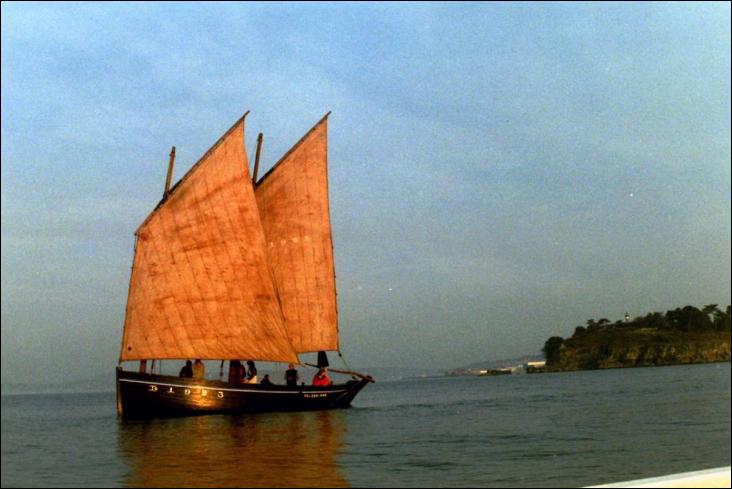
(566, 429)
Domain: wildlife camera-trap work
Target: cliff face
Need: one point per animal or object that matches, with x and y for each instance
(640, 348)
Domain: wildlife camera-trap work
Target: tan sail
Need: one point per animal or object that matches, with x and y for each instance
(293, 204)
(200, 285)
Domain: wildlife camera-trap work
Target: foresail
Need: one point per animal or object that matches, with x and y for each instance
(293, 205)
(200, 285)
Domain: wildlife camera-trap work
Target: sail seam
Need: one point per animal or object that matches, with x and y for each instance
(227, 247)
(173, 330)
(189, 291)
(313, 309)
(213, 262)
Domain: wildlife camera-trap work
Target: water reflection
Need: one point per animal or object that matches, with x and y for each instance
(266, 450)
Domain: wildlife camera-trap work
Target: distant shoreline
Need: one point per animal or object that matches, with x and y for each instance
(681, 336)
(644, 348)
(545, 371)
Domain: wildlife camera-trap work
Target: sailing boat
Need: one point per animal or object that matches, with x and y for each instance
(229, 268)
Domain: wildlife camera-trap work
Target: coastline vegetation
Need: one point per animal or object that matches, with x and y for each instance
(680, 336)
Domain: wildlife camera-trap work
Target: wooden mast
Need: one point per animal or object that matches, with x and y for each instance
(256, 159)
(170, 172)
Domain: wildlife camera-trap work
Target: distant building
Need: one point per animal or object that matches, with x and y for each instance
(535, 366)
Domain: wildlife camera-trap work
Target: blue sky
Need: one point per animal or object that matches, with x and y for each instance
(499, 172)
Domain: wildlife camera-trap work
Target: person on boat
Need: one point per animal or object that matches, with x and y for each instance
(199, 369)
(266, 381)
(321, 378)
(251, 377)
(235, 372)
(291, 375)
(187, 370)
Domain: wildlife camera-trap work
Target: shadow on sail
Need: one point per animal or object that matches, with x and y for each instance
(268, 450)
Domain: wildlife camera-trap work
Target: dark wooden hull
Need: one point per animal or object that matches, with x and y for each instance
(150, 396)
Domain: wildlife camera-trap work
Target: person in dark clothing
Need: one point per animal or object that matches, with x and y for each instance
(235, 372)
(266, 381)
(187, 370)
(291, 376)
(251, 377)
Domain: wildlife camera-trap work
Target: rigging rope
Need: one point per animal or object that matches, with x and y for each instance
(343, 359)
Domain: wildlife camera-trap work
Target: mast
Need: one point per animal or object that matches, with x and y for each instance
(256, 159)
(169, 176)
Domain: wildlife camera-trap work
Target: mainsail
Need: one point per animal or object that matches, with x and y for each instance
(293, 204)
(200, 285)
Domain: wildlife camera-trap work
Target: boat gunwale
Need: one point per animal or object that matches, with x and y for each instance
(186, 382)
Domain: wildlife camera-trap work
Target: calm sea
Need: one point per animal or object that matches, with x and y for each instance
(568, 429)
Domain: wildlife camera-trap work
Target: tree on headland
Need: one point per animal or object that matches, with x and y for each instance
(551, 348)
(686, 319)
(722, 321)
(689, 318)
(683, 335)
(711, 310)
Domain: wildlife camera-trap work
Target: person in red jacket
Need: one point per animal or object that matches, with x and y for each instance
(321, 378)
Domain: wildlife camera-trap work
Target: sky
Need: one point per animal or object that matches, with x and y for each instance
(499, 172)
